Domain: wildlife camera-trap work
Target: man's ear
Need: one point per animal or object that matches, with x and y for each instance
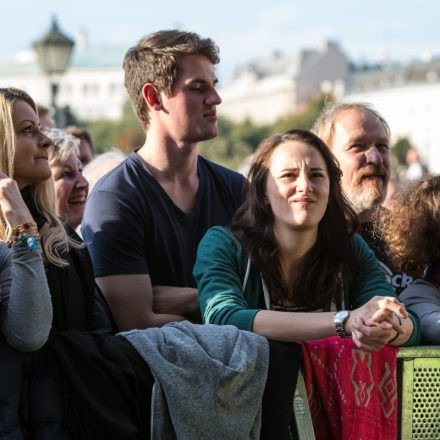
(152, 96)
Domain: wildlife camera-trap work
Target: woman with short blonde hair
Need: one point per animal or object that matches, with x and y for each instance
(71, 187)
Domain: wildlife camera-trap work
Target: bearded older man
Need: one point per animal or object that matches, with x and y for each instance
(359, 138)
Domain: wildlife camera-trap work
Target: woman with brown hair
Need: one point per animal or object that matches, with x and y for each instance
(411, 230)
(291, 267)
(292, 248)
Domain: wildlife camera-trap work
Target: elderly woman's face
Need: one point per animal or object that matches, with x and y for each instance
(298, 186)
(71, 190)
(31, 156)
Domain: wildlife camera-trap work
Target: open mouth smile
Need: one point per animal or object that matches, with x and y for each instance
(80, 200)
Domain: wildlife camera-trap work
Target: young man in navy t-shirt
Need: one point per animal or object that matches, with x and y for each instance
(144, 220)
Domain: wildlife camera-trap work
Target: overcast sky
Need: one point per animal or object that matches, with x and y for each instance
(367, 30)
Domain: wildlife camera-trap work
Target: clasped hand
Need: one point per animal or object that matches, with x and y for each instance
(374, 324)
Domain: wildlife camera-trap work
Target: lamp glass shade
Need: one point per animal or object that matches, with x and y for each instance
(53, 51)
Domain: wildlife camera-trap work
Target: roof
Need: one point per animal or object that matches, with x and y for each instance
(397, 75)
(93, 57)
(281, 64)
(278, 64)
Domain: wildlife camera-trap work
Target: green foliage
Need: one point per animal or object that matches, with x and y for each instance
(398, 157)
(399, 150)
(303, 119)
(234, 142)
(125, 134)
(250, 134)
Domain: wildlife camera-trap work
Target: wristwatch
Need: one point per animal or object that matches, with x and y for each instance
(339, 319)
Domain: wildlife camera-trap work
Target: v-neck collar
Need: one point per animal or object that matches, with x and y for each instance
(181, 215)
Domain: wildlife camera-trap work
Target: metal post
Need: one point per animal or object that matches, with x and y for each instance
(53, 101)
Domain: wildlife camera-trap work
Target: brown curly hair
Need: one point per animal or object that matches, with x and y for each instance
(411, 227)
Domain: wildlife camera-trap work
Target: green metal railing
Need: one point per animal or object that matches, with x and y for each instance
(419, 374)
(419, 396)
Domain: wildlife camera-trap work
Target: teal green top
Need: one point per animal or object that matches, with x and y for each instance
(220, 270)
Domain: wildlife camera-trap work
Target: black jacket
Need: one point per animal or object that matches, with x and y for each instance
(84, 383)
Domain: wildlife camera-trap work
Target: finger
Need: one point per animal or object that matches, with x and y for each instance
(386, 325)
(393, 305)
(372, 333)
(366, 345)
(380, 315)
(372, 328)
(383, 314)
(389, 318)
(376, 340)
(395, 323)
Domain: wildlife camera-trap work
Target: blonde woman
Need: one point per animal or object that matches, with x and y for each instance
(24, 154)
(71, 187)
(25, 306)
(82, 363)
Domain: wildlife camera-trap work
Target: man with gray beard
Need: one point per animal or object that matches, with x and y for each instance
(359, 138)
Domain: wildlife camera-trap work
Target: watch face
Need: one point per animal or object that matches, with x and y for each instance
(342, 315)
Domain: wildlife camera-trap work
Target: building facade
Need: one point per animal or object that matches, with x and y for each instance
(409, 98)
(93, 86)
(267, 89)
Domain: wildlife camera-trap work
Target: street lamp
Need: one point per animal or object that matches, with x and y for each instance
(53, 53)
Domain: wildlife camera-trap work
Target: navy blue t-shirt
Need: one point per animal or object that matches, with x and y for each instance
(131, 226)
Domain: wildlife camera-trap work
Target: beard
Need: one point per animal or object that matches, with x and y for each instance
(368, 192)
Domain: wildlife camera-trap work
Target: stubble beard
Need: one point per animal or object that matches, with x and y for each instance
(203, 135)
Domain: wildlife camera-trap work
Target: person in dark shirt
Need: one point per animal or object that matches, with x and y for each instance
(144, 220)
(359, 138)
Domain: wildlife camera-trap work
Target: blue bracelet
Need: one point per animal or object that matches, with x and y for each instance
(29, 240)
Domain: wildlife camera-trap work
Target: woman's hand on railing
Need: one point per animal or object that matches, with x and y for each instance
(373, 325)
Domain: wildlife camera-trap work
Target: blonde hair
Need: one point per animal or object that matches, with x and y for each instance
(63, 145)
(325, 123)
(54, 238)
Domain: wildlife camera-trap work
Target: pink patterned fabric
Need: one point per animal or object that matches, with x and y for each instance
(352, 393)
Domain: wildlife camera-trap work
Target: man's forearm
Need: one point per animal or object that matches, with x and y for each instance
(176, 300)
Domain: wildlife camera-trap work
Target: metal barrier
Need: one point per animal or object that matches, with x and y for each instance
(419, 386)
(302, 411)
(419, 395)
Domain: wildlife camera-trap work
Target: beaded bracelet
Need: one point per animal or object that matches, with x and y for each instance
(29, 240)
(25, 227)
(25, 234)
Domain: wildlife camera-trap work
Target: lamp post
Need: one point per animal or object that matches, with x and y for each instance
(53, 53)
